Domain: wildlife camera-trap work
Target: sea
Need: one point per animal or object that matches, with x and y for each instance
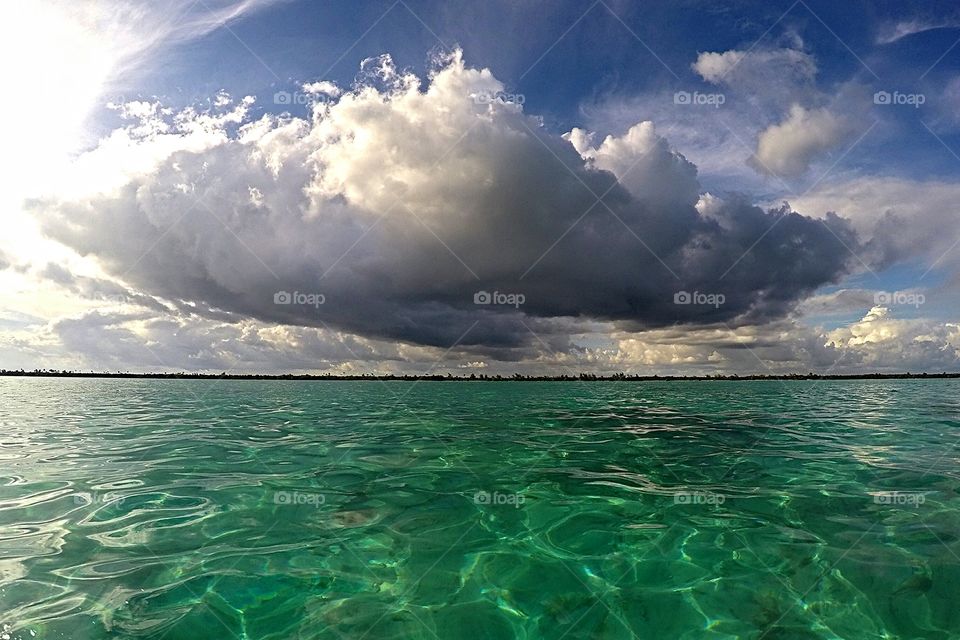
(482, 510)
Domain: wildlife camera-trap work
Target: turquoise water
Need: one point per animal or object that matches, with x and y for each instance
(367, 510)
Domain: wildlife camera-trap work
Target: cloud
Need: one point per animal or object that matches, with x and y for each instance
(758, 86)
(82, 49)
(643, 163)
(897, 218)
(893, 31)
(76, 52)
(883, 342)
(322, 87)
(878, 341)
(787, 149)
(111, 339)
(121, 339)
(759, 70)
(99, 289)
(777, 347)
(769, 80)
(842, 301)
(399, 201)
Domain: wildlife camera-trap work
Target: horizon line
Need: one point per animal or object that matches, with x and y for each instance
(473, 377)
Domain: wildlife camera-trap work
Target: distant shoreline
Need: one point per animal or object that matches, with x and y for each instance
(583, 377)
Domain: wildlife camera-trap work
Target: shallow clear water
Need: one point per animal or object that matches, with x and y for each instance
(249, 509)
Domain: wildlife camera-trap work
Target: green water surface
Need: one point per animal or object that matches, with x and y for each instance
(444, 510)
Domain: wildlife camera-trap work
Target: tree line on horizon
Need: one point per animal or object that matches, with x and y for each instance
(581, 377)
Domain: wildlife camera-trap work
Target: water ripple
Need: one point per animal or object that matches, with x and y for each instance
(196, 509)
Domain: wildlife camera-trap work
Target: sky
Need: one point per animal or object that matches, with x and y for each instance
(480, 188)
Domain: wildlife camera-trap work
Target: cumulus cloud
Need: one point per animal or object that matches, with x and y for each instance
(774, 80)
(879, 341)
(643, 163)
(398, 201)
(776, 347)
(882, 341)
(787, 149)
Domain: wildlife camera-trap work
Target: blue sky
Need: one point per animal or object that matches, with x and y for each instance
(707, 117)
(572, 60)
(572, 52)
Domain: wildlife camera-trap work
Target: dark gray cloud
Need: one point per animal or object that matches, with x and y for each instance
(106, 292)
(399, 205)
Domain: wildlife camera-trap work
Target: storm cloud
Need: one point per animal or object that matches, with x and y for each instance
(398, 203)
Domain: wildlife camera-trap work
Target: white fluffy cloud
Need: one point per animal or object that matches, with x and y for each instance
(643, 163)
(775, 99)
(787, 149)
(323, 88)
(882, 342)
